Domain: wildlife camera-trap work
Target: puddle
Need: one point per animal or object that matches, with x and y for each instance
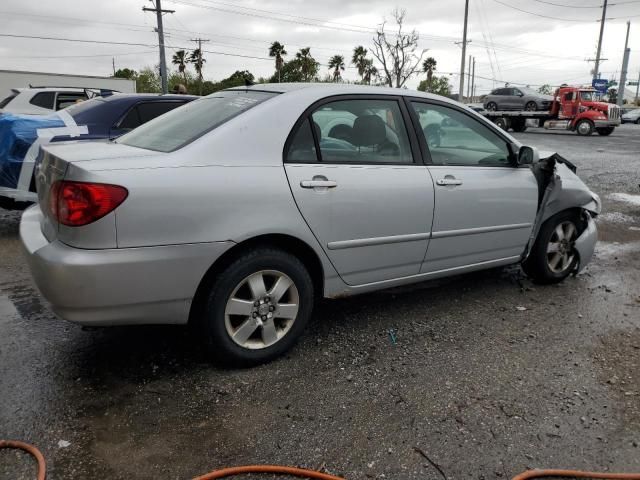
(625, 198)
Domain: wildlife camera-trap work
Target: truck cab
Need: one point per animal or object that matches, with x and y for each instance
(578, 109)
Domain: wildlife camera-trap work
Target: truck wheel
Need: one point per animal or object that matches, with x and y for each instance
(605, 131)
(531, 107)
(584, 127)
(502, 122)
(257, 307)
(553, 256)
(492, 106)
(638, 121)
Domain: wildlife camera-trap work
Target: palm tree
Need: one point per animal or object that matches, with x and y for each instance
(180, 59)
(359, 59)
(369, 71)
(197, 60)
(428, 67)
(337, 63)
(277, 50)
(308, 64)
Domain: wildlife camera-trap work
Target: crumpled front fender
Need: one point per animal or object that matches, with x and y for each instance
(585, 244)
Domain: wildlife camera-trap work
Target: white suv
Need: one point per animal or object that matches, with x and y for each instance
(41, 101)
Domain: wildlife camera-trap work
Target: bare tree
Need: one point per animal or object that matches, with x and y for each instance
(397, 52)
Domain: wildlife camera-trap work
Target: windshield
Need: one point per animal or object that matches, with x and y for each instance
(182, 126)
(587, 96)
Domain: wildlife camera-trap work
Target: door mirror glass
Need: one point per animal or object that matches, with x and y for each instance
(528, 155)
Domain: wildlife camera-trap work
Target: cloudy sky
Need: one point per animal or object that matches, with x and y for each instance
(519, 41)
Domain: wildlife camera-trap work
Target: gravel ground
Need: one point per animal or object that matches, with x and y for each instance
(451, 368)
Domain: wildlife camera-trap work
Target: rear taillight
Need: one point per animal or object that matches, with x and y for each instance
(79, 203)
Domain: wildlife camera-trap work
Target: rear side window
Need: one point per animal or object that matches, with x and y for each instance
(64, 100)
(43, 100)
(303, 148)
(182, 126)
(6, 101)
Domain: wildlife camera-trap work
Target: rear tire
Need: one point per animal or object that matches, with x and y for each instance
(519, 125)
(584, 127)
(257, 308)
(492, 106)
(553, 256)
(605, 131)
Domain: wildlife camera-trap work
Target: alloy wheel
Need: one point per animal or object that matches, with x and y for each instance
(261, 309)
(560, 249)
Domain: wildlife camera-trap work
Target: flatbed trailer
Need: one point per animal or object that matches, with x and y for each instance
(573, 108)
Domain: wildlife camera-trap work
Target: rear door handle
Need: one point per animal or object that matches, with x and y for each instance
(318, 184)
(449, 181)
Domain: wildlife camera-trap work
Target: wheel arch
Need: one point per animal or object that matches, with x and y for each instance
(288, 243)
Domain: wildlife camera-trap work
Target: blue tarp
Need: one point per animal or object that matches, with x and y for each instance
(17, 134)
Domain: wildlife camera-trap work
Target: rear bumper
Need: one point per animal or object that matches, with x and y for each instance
(149, 285)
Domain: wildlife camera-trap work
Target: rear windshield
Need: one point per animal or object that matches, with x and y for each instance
(6, 101)
(182, 126)
(80, 110)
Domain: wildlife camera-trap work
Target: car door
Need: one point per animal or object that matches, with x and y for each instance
(485, 206)
(362, 188)
(517, 99)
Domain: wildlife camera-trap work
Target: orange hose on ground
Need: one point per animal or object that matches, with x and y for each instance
(576, 474)
(293, 471)
(15, 444)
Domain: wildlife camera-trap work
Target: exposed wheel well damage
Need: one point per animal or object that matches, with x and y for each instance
(287, 243)
(560, 190)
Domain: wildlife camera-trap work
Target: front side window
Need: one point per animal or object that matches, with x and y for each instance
(455, 138)
(587, 96)
(361, 131)
(184, 125)
(43, 100)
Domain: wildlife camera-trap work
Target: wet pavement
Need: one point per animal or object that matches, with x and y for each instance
(452, 368)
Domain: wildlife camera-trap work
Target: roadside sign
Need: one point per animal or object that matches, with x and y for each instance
(600, 84)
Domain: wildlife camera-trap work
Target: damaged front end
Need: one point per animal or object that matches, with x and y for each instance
(560, 189)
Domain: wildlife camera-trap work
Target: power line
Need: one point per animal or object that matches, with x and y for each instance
(566, 5)
(79, 56)
(544, 16)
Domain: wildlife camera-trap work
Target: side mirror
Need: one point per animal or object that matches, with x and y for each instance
(527, 155)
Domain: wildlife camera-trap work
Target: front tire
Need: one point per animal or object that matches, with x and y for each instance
(605, 131)
(553, 256)
(257, 308)
(531, 106)
(584, 128)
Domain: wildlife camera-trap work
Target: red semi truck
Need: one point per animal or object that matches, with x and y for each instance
(573, 108)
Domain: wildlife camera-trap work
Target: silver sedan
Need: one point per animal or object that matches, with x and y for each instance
(236, 211)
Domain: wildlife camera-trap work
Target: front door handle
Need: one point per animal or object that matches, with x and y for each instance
(318, 184)
(449, 180)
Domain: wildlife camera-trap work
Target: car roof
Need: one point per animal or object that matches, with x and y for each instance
(329, 89)
(50, 89)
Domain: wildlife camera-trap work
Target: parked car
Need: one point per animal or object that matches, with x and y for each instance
(632, 116)
(217, 214)
(98, 118)
(44, 100)
(520, 98)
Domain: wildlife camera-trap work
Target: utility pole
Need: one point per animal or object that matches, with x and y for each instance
(469, 78)
(163, 62)
(473, 80)
(464, 50)
(200, 61)
(113, 62)
(637, 88)
(623, 72)
(596, 69)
